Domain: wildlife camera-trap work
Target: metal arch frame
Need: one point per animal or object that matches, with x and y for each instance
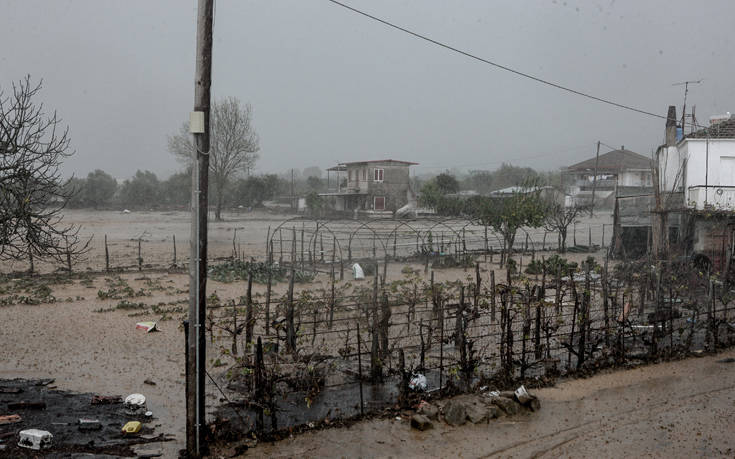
(320, 223)
(490, 230)
(366, 224)
(350, 228)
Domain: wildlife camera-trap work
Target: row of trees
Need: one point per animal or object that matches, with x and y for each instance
(486, 181)
(144, 190)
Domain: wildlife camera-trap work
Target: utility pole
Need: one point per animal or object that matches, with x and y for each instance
(594, 179)
(199, 127)
(292, 206)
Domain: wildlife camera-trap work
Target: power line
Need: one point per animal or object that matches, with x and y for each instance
(495, 64)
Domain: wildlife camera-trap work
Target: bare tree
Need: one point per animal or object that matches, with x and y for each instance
(33, 145)
(234, 145)
(559, 217)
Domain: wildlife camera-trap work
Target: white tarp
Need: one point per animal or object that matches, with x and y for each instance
(357, 272)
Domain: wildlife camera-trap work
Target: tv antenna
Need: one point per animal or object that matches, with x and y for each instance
(684, 108)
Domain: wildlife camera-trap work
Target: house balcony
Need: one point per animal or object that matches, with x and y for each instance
(711, 197)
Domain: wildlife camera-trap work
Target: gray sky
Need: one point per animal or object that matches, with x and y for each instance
(327, 85)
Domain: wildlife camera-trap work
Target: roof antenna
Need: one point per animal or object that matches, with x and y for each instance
(684, 108)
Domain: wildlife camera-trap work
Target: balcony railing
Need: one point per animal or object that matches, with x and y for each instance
(717, 197)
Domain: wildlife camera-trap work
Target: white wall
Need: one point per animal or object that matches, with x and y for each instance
(637, 178)
(721, 170)
(671, 161)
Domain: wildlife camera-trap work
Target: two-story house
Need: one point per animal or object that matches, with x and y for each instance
(377, 187)
(599, 179)
(694, 209)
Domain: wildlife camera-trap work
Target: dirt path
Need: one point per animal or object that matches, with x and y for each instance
(677, 409)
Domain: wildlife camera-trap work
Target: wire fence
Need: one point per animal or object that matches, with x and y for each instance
(309, 243)
(321, 354)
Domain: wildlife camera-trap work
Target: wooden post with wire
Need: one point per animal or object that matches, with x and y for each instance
(199, 127)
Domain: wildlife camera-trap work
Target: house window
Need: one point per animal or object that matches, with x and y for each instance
(364, 175)
(379, 203)
(378, 175)
(349, 176)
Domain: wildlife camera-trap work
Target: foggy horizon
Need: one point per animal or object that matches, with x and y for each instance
(328, 86)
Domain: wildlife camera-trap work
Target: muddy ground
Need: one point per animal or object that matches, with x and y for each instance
(89, 344)
(675, 409)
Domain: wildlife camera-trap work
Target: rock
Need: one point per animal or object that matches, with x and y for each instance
(476, 413)
(455, 413)
(421, 422)
(534, 404)
(509, 406)
(428, 410)
(493, 412)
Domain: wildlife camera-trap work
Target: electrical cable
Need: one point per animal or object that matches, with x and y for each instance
(495, 64)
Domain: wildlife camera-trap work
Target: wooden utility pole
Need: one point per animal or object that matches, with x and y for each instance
(594, 179)
(199, 126)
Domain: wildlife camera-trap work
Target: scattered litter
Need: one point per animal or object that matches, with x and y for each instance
(493, 393)
(27, 406)
(483, 388)
(131, 428)
(9, 419)
(35, 439)
(89, 424)
(135, 404)
(357, 272)
(147, 326)
(44, 382)
(10, 390)
(642, 327)
(106, 399)
(148, 414)
(522, 395)
(125, 211)
(398, 418)
(417, 382)
(150, 382)
(311, 425)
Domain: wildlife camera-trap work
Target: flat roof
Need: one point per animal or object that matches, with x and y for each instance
(407, 163)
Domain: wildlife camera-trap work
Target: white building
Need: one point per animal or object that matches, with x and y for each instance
(701, 165)
(614, 172)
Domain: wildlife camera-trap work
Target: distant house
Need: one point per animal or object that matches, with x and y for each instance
(376, 187)
(546, 192)
(615, 172)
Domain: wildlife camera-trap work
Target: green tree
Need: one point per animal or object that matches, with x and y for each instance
(314, 203)
(143, 190)
(74, 191)
(99, 189)
(314, 183)
(176, 190)
(446, 183)
(506, 215)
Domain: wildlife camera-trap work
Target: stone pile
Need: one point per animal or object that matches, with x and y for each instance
(475, 408)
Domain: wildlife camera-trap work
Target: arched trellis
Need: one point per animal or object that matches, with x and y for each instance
(382, 233)
(319, 224)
